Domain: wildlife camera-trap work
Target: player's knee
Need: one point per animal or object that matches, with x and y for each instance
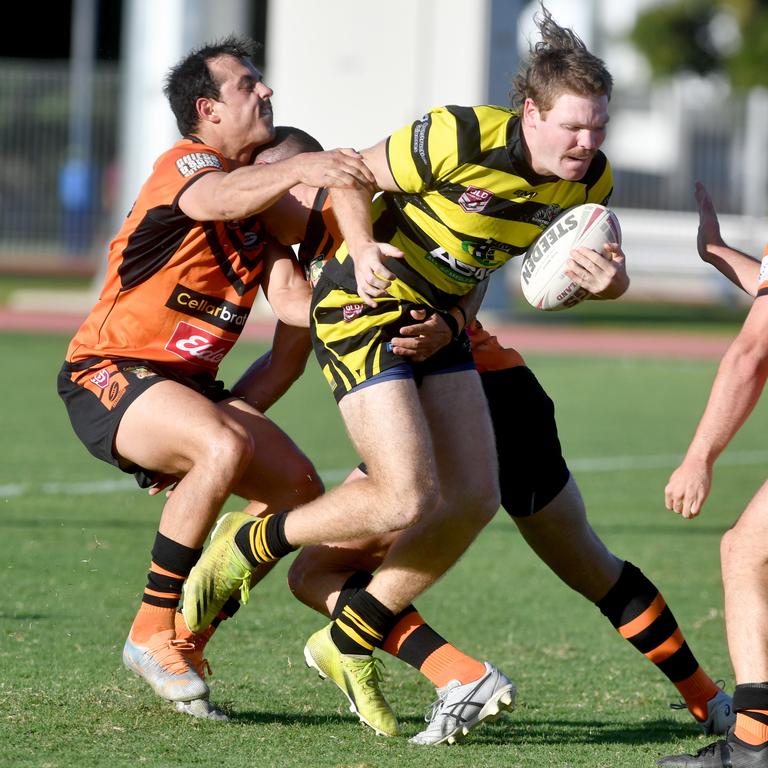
(228, 452)
(404, 509)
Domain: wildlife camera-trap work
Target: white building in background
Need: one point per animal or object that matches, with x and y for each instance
(351, 72)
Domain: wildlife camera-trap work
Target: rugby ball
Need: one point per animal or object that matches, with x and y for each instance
(542, 276)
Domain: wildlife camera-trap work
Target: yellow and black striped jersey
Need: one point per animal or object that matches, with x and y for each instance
(469, 200)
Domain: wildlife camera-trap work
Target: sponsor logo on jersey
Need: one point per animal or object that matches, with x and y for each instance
(458, 270)
(350, 311)
(190, 164)
(523, 194)
(198, 346)
(419, 139)
(101, 379)
(222, 314)
(546, 215)
(475, 199)
(139, 371)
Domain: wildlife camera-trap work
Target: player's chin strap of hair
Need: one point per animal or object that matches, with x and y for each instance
(452, 322)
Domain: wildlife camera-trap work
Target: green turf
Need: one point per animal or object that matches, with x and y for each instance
(74, 562)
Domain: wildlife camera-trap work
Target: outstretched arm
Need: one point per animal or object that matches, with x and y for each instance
(740, 268)
(737, 387)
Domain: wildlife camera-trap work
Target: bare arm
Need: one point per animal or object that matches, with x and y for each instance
(219, 196)
(287, 292)
(737, 387)
(352, 208)
(740, 268)
(432, 332)
(267, 379)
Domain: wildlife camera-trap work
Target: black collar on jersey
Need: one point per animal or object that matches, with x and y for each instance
(192, 137)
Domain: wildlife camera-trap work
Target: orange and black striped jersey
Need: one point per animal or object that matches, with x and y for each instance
(176, 291)
(469, 200)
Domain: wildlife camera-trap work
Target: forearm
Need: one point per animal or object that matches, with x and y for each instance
(740, 268)
(739, 382)
(253, 188)
(268, 378)
(352, 209)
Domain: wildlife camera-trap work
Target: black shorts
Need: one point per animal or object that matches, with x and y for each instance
(97, 392)
(532, 470)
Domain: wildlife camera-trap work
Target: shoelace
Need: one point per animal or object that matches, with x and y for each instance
(711, 749)
(682, 705)
(242, 582)
(434, 708)
(370, 673)
(168, 655)
(199, 663)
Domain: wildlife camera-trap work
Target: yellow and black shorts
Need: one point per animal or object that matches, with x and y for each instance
(352, 340)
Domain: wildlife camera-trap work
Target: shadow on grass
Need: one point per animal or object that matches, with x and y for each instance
(506, 730)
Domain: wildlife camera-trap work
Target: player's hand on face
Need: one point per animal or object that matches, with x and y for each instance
(421, 340)
(343, 168)
(688, 488)
(372, 277)
(604, 275)
(709, 226)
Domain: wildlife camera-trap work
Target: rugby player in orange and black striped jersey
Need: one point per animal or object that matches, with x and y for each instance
(139, 380)
(532, 474)
(738, 386)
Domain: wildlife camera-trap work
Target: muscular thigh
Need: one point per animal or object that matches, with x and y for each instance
(170, 427)
(460, 426)
(279, 475)
(387, 427)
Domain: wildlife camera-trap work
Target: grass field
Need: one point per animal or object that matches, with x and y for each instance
(75, 541)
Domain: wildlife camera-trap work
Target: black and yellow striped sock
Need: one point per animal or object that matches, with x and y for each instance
(263, 540)
(362, 624)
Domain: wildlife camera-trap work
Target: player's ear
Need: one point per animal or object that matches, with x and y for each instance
(531, 114)
(206, 109)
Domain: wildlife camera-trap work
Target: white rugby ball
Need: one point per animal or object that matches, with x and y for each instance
(542, 277)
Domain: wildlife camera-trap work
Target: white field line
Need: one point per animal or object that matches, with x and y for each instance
(333, 476)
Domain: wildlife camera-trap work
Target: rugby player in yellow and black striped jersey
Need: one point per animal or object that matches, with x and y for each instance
(453, 210)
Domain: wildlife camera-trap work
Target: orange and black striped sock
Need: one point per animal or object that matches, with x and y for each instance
(750, 702)
(413, 641)
(637, 610)
(263, 540)
(171, 564)
(362, 624)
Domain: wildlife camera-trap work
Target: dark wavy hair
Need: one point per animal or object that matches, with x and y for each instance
(559, 63)
(191, 78)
